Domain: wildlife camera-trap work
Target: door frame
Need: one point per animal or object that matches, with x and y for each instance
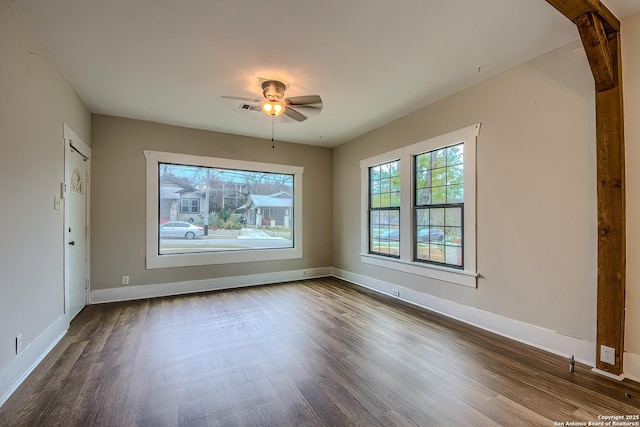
(73, 142)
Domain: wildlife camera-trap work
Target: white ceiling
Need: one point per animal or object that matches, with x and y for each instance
(371, 61)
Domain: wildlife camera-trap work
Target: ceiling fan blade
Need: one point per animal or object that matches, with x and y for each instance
(242, 98)
(301, 100)
(295, 115)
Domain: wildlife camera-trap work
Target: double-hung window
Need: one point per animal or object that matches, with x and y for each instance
(418, 208)
(384, 209)
(439, 206)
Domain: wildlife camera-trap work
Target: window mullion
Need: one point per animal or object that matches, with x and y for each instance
(406, 200)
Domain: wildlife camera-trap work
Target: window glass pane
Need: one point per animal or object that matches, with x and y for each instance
(375, 173)
(375, 187)
(436, 217)
(395, 199)
(454, 154)
(385, 200)
(453, 255)
(423, 197)
(423, 161)
(436, 253)
(422, 217)
(453, 236)
(454, 216)
(455, 194)
(455, 174)
(439, 158)
(394, 218)
(439, 177)
(438, 195)
(218, 204)
(421, 179)
(385, 185)
(384, 232)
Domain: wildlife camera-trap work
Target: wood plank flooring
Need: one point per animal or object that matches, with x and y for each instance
(318, 352)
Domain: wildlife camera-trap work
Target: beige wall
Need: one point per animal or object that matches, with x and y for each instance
(35, 101)
(118, 202)
(536, 192)
(630, 32)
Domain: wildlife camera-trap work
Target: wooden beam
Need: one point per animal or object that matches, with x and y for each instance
(597, 49)
(600, 33)
(573, 9)
(611, 217)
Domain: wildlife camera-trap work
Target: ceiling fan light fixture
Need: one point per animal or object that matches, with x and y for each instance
(273, 108)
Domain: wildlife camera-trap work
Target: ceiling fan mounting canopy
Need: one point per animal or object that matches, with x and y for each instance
(273, 90)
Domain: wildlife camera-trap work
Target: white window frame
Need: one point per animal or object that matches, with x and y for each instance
(154, 260)
(406, 263)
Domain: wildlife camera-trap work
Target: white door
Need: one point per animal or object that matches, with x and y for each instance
(76, 225)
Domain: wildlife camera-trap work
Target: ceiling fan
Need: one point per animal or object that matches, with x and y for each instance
(275, 104)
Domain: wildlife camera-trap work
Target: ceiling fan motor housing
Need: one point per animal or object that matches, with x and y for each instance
(273, 90)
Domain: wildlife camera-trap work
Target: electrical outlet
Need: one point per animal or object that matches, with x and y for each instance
(19, 344)
(608, 355)
(395, 292)
(125, 280)
(57, 203)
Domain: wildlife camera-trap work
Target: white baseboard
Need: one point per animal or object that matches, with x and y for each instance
(25, 362)
(545, 339)
(128, 293)
(608, 374)
(631, 366)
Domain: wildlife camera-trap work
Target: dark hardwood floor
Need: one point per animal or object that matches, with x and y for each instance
(311, 353)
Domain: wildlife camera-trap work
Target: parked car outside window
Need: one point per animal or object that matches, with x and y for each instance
(430, 235)
(393, 235)
(180, 229)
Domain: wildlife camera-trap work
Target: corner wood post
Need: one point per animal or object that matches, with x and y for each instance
(603, 52)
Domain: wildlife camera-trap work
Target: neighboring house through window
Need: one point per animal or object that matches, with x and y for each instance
(272, 211)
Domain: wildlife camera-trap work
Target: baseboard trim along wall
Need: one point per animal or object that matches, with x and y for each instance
(545, 339)
(129, 293)
(30, 357)
(631, 366)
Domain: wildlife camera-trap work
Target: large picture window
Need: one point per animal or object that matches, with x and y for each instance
(418, 208)
(203, 210)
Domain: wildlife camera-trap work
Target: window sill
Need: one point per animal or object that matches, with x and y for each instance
(458, 277)
(213, 258)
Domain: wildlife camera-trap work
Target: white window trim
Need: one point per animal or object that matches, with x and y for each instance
(153, 260)
(466, 277)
